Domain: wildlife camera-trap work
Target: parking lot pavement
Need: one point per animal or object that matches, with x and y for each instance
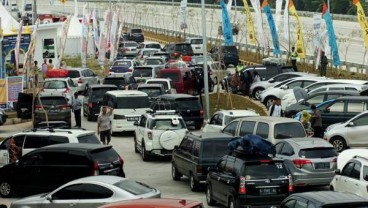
(8, 130)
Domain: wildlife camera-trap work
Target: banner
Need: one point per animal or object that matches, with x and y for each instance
(183, 14)
(260, 32)
(226, 25)
(63, 38)
(299, 46)
(113, 33)
(331, 36)
(3, 93)
(286, 21)
(317, 20)
(31, 49)
(362, 21)
(250, 24)
(95, 27)
(271, 23)
(17, 46)
(278, 14)
(85, 22)
(103, 38)
(120, 30)
(14, 87)
(229, 4)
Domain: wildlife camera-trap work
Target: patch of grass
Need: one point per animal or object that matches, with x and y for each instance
(92, 63)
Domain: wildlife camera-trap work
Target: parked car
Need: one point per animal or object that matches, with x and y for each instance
(145, 53)
(135, 34)
(324, 199)
(122, 66)
(128, 48)
(47, 168)
(121, 81)
(241, 181)
(55, 105)
(343, 87)
(167, 83)
(310, 161)
(178, 49)
(274, 129)
(155, 61)
(221, 118)
(195, 154)
(181, 77)
(188, 106)
(156, 203)
(149, 44)
(197, 45)
(90, 191)
(84, 77)
(143, 73)
(64, 85)
(152, 90)
(226, 55)
(92, 100)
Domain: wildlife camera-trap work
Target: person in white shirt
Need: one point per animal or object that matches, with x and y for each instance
(275, 109)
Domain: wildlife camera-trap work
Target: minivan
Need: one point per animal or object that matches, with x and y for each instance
(128, 106)
(182, 79)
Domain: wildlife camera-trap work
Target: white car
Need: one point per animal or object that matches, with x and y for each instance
(197, 45)
(157, 133)
(351, 133)
(149, 44)
(221, 118)
(167, 83)
(353, 178)
(146, 52)
(156, 61)
(65, 85)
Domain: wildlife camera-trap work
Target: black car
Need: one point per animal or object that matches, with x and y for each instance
(135, 34)
(266, 71)
(121, 81)
(242, 181)
(314, 99)
(178, 49)
(92, 100)
(226, 54)
(195, 154)
(188, 106)
(47, 168)
(152, 90)
(324, 199)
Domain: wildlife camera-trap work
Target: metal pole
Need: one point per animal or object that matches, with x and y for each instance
(235, 11)
(328, 5)
(205, 70)
(1, 49)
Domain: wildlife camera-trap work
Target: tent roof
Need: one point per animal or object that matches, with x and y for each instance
(7, 21)
(75, 28)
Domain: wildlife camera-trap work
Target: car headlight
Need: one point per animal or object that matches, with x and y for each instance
(329, 128)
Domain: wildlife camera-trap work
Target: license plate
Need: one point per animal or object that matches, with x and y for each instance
(189, 122)
(132, 118)
(325, 165)
(267, 191)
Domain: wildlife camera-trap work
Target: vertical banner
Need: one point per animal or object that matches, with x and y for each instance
(275, 39)
(17, 47)
(14, 87)
(226, 25)
(300, 49)
(278, 14)
(260, 32)
(85, 22)
(103, 38)
(118, 38)
(286, 21)
(229, 4)
(362, 21)
(114, 28)
(331, 35)
(3, 93)
(183, 14)
(63, 38)
(76, 8)
(317, 20)
(31, 48)
(95, 27)
(250, 24)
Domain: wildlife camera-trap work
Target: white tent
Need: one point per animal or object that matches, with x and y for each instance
(7, 21)
(73, 46)
(75, 28)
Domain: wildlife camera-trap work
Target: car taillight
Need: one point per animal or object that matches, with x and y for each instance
(334, 160)
(80, 80)
(176, 54)
(38, 107)
(90, 105)
(199, 169)
(201, 113)
(264, 161)
(242, 189)
(95, 170)
(299, 163)
(66, 90)
(325, 138)
(291, 187)
(64, 107)
(130, 70)
(127, 49)
(150, 135)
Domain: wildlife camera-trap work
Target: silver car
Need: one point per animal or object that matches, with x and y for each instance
(88, 192)
(310, 161)
(84, 77)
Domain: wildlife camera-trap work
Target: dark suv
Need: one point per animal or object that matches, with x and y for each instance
(226, 54)
(121, 81)
(135, 34)
(242, 181)
(177, 49)
(49, 167)
(195, 154)
(188, 106)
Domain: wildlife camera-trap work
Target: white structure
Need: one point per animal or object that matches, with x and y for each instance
(73, 46)
(7, 21)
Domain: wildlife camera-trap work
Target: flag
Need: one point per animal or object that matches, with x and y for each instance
(331, 35)
(229, 4)
(362, 21)
(300, 49)
(95, 27)
(76, 8)
(103, 38)
(278, 14)
(260, 32)
(63, 38)
(31, 47)
(275, 39)
(119, 34)
(84, 37)
(316, 30)
(17, 47)
(250, 24)
(226, 25)
(183, 14)
(113, 33)
(286, 21)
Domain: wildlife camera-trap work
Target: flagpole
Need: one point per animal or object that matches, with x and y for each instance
(289, 31)
(205, 70)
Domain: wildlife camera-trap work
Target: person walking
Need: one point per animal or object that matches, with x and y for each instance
(324, 63)
(77, 106)
(34, 74)
(275, 109)
(294, 56)
(50, 66)
(104, 125)
(316, 122)
(44, 68)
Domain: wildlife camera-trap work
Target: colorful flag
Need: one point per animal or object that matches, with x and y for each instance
(17, 47)
(275, 39)
(226, 25)
(84, 37)
(278, 14)
(229, 4)
(64, 36)
(362, 21)
(286, 21)
(260, 32)
(104, 38)
(114, 28)
(183, 14)
(31, 47)
(331, 35)
(300, 49)
(250, 24)
(317, 19)
(95, 27)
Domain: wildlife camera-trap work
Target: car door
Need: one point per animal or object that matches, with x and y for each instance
(178, 157)
(333, 113)
(357, 131)
(227, 179)
(86, 99)
(263, 130)
(187, 163)
(215, 124)
(28, 172)
(215, 178)
(140, 131)
(246, 127)
(95, 195)
(364, 182)
(353, 108)
(68, 196)
(342, 180)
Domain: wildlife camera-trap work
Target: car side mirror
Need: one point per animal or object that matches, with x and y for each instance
(49, 198)
(135, 123)
(211, 169)
(337, 172)
(284, 87)
(271, 80)
(350, 124)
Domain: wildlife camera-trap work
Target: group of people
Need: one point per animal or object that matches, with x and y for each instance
(241, 81)
(323, 61)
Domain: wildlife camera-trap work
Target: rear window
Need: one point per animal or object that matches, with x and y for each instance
(136, 31)
(166, 124)
(174, 76)
(154, 62)
(289, 130)
(142, 72)
(154, 45)
(122, 63)
(53, 101)
(132, 102)
(151, 92)
(196, 41)
(165, 84)
(73, 74)
(54, 84)
(133, 187)
(188, 103)
(287, 70)
(148, 53)
(215, 148)
(115, 81)
(265, 170)
(105, 156)
(183, 47)
(130, 44)
(89, 139)
(318, 153)
(97, 94)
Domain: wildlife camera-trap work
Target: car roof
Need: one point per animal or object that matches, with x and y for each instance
(75, 132)
(237, 112)
(347, 92)
(175, 96)
(331, 197)
(159, 79)
(348, 81)
(307, 142)
(126, 92)
(319, 79)
(150, 85)
(208, 136)
(268, 119)
(102, 86)
(77, 69)
(76, 146)
(150, 42)
(352, 98)
(109, 179)
(154, 203)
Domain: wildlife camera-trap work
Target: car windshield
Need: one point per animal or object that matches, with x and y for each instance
(167, 124)
(321, 152)
(164, 83)
(133, 187)
(122, 63)
(183, 47)
(153, 62)
(89, 139)
(136, 31)
(53, 101)
(153, 45)
(73, 74)
(130, 44)
(148, 53)
(265, 170)
(289, 130)
(115, 81)
(142, 72)
(174, 76)
(97, 94)
(196, 41)
(132, 102)
(188, 103)
(215, 149)
(151, 92)
(282, 83)
(54, 84)
(105, 156)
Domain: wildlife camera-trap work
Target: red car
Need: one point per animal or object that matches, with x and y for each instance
(155, 203)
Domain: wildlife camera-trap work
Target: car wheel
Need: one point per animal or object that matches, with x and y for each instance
(257, 93)
(209, 199)
(6, 189)
(339, 143)
(174, 173)
(135, 144)
(145, 154)
(194, 185)
(268, 101)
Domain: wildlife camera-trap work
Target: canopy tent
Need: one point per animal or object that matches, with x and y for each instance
(75, 28)
(7, 21)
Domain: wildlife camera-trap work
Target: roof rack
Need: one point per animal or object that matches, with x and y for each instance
(47, 129)
(361, 157)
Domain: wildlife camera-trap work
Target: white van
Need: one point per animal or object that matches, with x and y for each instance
(128, 106)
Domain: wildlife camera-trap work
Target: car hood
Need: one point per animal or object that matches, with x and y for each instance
(336, 125)
(35, 199)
